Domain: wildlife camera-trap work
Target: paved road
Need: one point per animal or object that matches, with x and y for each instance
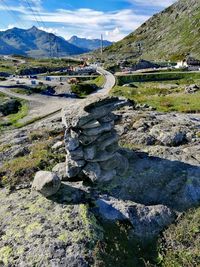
(41, 105)
(110, 80)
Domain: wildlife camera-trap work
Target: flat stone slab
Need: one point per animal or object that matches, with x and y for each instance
(91, 109)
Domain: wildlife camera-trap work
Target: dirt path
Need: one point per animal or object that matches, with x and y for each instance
(41, 105)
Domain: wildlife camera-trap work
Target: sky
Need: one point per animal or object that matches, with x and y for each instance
(85, 18)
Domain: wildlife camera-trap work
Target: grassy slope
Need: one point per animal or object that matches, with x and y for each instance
(170, 34)
(12, 119)
(165, 92)
(10, 67)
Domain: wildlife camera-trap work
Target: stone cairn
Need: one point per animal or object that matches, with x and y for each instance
(91, 141)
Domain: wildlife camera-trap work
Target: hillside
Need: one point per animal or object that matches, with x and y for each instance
(171, 34)
(35, 43)
(90, 44)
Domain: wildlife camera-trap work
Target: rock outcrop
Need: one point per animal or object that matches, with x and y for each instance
(191, 89)
(91, 141)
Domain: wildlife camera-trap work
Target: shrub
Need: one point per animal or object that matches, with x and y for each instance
(83, 89)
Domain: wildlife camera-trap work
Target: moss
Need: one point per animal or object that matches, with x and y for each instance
(5, 253)
(4, 148)
(35, 226)
(93, 229)
(12, 234)
(63, 237)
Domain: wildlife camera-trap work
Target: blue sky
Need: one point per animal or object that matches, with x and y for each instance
(85, 18)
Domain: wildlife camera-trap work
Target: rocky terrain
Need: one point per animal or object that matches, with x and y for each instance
(157, 170)
(171, 34)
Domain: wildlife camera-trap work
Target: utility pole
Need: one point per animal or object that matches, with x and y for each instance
(101, 44)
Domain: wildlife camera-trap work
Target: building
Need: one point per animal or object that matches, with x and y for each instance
(181, 64)
(193, 64)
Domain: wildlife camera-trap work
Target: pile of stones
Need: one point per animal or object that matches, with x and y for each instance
(91, 141)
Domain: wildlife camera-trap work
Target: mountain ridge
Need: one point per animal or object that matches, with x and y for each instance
(91, 44)
(171, 34)
(34, 42)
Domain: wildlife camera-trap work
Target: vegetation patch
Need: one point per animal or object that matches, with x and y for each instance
(99, 81)
(119, 249)
(22, 169)
(163, 76)
(83, 89)
(41, 88)
(165, 96)
(12, 120)
(180, 245)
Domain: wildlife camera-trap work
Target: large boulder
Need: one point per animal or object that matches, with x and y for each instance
(147, 221)
(46, 183)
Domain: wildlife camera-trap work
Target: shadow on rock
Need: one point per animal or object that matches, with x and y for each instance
(152, 181)
(71, 194)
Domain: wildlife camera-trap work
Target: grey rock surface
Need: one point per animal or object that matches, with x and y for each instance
(46, 183)
(191, 89)
(147, 221)
(38, 231)
(60, 170)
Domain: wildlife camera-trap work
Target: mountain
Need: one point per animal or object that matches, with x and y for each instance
(35, 43)
(170, 35)
(90, 44)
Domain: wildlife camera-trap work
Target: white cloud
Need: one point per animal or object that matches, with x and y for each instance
(50, 30)
(89, 22)
(10, 26)
(155, 3)
(82, 22)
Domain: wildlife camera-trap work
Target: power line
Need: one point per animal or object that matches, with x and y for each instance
(33, 13)
(52, 41)
(12, 14)
(41, 22)
(38, 14)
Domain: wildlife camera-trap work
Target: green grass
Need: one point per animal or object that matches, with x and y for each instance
(12, 120)
(22, 169)
(164, 76)
(31, 90)
(7, 66)
(50, 65)
(120, 249)
(181, 242)
(83, 89)
(165, 95)
(99, 81)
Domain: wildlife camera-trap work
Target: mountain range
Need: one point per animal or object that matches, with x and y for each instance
(91, 44)
(37, 43)
(172, 34)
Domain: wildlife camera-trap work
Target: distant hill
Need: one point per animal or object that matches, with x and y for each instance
(170, 35)
(36, 43)
(90, 44)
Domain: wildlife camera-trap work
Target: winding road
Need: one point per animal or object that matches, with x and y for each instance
(41, 105)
